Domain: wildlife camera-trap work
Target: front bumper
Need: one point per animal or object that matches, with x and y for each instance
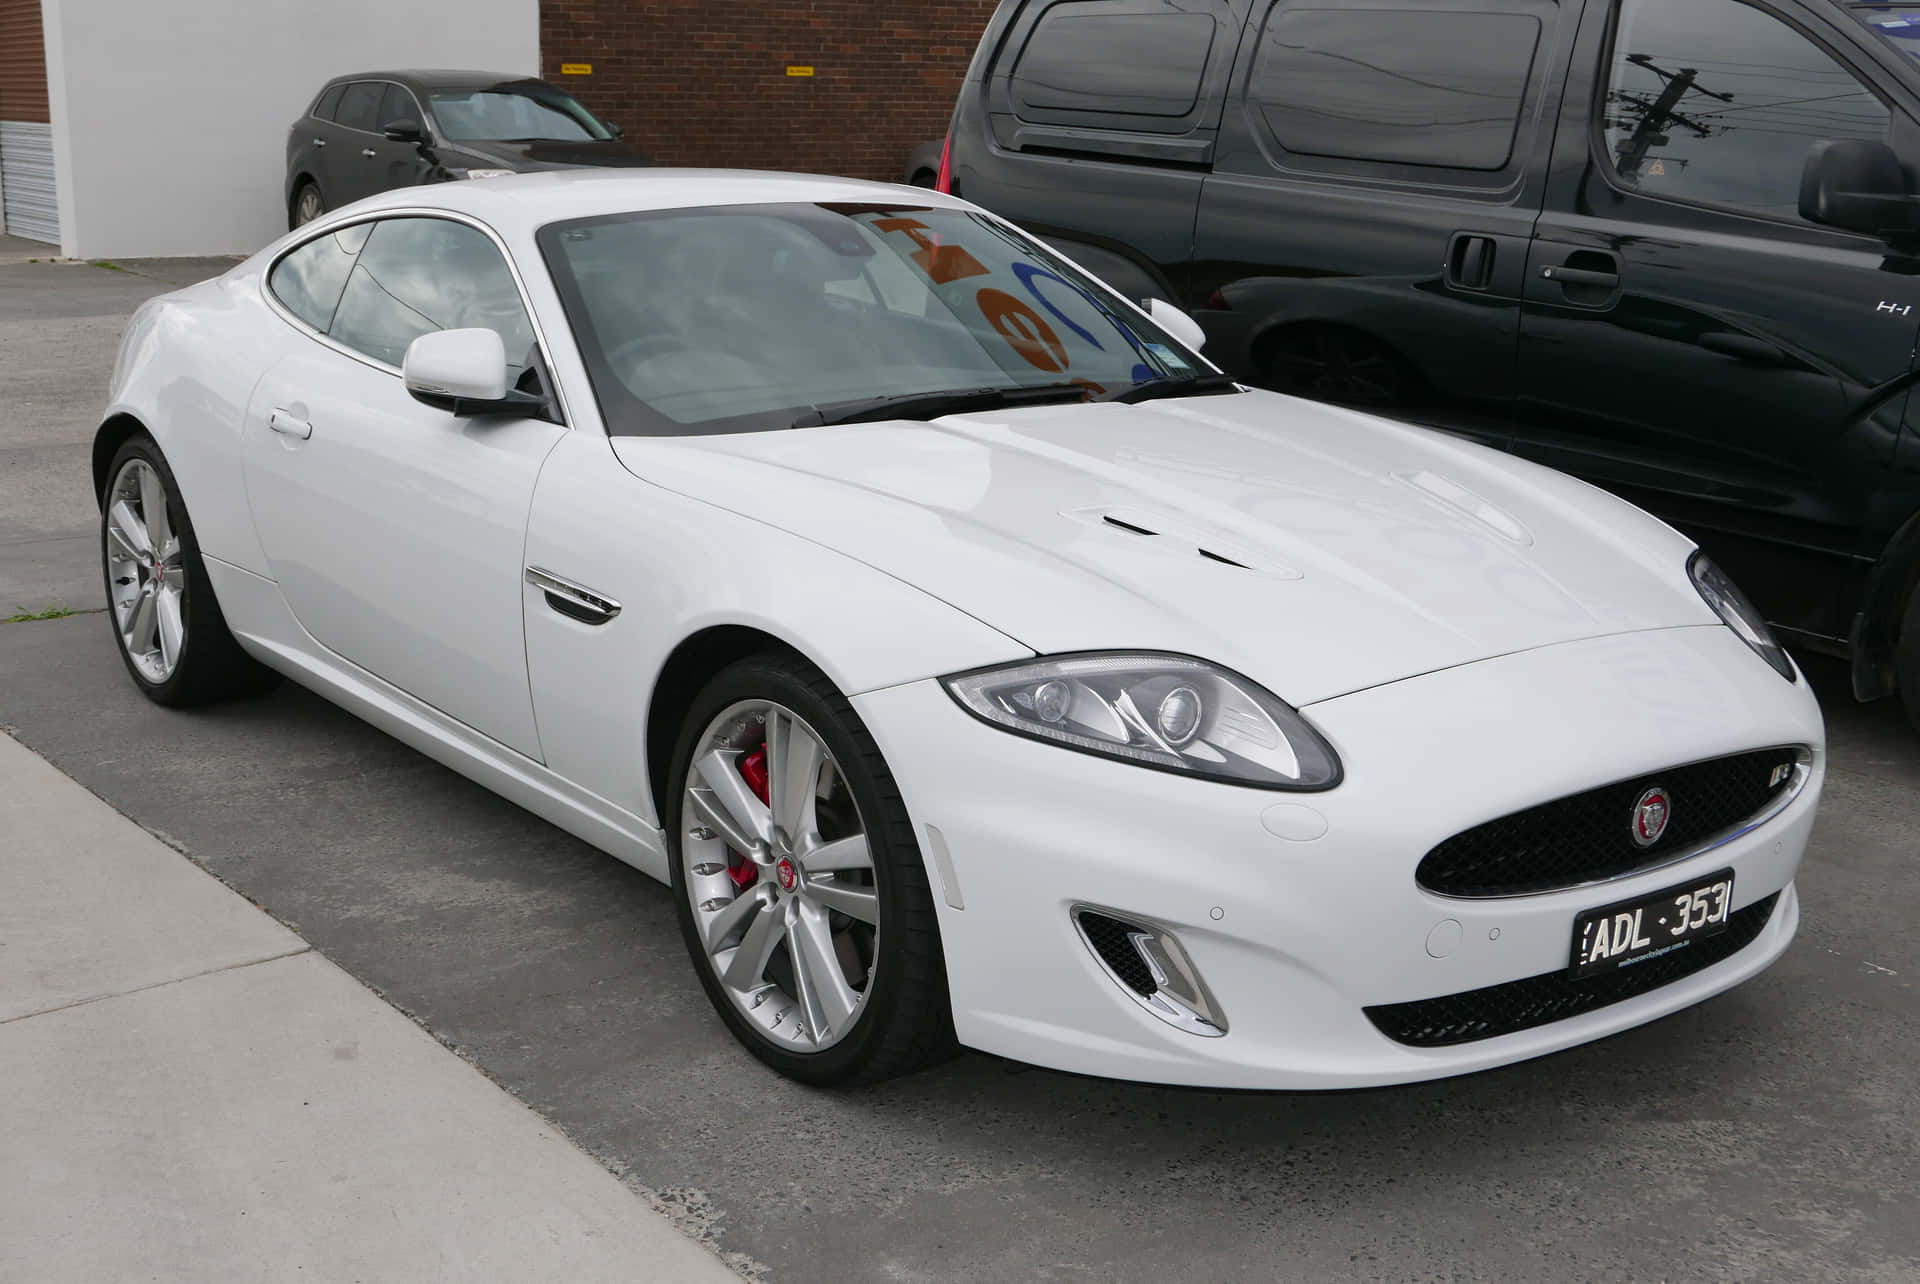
(1297, 934)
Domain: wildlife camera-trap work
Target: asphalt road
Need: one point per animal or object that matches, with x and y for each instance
(1771, 1133)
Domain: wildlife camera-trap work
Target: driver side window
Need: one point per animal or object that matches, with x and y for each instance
(417, 275)
(1718, 102)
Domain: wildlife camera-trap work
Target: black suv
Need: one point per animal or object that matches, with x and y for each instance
(382, 129)
(1667, 245)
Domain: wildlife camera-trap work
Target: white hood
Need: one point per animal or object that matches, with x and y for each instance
(1367, 551)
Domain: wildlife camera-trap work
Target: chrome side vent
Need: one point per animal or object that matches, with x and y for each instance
(1153, 969)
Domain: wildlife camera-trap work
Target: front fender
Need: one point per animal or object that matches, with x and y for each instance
(679, 566)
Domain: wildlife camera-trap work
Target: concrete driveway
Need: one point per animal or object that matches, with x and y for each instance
(1769, 1134)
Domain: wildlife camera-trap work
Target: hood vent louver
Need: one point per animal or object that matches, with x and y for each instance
(1176, 539)
(1111, 520)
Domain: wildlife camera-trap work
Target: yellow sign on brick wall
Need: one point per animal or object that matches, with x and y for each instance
(576, 69)
(799, 71)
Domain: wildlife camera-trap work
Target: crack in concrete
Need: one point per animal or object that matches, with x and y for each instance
(142, 989)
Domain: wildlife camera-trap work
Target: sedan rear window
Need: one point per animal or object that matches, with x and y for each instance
(743, 318)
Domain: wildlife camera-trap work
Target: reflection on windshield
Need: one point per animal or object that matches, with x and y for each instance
(495, 115)
(734, 319)
(1899, 23)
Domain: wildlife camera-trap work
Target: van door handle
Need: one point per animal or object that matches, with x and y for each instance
(282, 422)
(1470, 261)
(1582, 276)
(368, 152)
(319, 142)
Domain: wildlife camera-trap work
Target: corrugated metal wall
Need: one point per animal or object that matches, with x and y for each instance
(26, 180)
(26, 139)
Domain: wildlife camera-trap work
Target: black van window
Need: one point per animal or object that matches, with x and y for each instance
(1717, 102)
(1401, 85)
(1084, 57)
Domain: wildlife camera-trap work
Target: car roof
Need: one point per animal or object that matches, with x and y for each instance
(442, 78)
(520, 204)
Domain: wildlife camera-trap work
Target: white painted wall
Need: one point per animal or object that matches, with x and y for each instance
(170, 117)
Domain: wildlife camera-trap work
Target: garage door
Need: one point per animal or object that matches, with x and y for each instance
(26, 139)
(26, 180)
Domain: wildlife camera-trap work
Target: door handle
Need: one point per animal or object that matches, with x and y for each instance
(282, 422)
(319, 142)
(1582, 277)
(1470, 261)
(575, 601)
(368, 152)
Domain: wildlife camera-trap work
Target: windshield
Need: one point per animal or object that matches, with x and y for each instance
(1898, 23)
(514, 114)
(743, 318)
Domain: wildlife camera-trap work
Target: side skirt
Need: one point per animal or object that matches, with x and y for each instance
(264, 625)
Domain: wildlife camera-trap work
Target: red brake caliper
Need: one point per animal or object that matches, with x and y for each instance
(753, 769)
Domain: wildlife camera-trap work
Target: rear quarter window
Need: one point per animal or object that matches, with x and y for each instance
(1429, 87)
(325, 106)
(1085, 57)
(309, 280)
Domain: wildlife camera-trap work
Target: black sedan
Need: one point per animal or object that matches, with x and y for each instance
(376, 130)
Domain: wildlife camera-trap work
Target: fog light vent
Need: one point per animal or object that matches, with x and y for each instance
(1153, 969)
(1109, 938)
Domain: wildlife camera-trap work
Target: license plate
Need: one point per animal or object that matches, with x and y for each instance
(1648, 927)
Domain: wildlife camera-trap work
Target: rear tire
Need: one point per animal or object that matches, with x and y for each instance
(877, 1004)
(307, 206)
(166, 621)
(1907, 660)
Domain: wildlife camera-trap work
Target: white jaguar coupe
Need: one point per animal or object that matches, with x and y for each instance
(979, 665)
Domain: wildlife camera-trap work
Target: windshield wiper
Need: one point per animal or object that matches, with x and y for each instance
(932, 405)
(1193, 385)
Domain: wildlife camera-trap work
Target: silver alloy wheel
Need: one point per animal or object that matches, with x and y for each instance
(146, 577)
(307, 208)
(783, 889)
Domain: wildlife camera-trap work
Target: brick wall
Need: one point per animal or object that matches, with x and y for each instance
(23, 62)
(704, 82)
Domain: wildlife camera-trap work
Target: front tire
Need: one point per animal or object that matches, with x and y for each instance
(1907, 659)
(166, 620)
(801, 892)
(1335, 364)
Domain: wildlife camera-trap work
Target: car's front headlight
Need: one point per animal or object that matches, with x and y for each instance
(1731, 605)
(485, 173)
(1163, 711)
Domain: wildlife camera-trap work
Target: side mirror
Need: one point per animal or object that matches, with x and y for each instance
(464, 372)
(1177, 323)
(614, 129)
(404, 131)
(1857, 185)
